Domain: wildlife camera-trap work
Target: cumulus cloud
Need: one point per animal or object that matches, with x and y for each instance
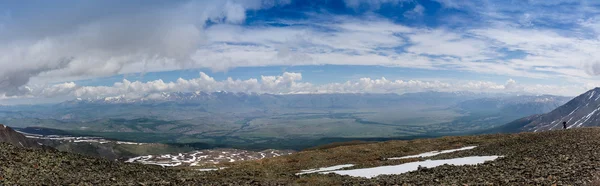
(286, 83)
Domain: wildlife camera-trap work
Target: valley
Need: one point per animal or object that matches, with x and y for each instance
(422, 144)
(264, 121)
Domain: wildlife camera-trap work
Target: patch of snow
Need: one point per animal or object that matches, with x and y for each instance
(167, 164)
(196, 158)
(131, 160)
(432, 153)
(212, 169)
(554, 126)
(587, 117)
(570, 120)
(332, 168)
(574, 111)
(408, 167)
(592, 95)
(129, 143)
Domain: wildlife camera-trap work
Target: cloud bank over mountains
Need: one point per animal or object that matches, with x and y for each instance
(286, 83)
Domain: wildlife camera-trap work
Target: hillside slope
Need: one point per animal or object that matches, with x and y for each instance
(543, 158)
(581, 111)
(11, 136)
(24, 166)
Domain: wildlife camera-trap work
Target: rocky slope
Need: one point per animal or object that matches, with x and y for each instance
(563, 157)
(582, 111)
(11, 136)
(24, 166)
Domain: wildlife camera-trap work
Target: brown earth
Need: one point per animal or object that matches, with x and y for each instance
(569, 157)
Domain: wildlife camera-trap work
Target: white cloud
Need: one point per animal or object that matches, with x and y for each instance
(415, 12)
(372, 4)
(545, 53)
(449, 3)
(287, 83)
(109, 43)
(441, 42)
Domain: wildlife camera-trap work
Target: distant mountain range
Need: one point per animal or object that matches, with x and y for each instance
(292, 100)
(236, 102)
(187, 105)
(521, 105)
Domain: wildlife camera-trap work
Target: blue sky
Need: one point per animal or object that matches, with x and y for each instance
(60, 50)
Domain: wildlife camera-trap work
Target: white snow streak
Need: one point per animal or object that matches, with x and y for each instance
(332, 168)
(211, 169)
(551, 124)
(433, 153)
(573, 111)
(587, 117)
(570, 120)
(407, 167)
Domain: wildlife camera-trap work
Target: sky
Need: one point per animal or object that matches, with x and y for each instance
(52, 51)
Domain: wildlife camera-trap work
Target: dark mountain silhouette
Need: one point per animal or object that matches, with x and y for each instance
(8, 135)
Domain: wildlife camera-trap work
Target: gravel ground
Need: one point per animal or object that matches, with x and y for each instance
(570, 157)
(22, 166)
(559, 157)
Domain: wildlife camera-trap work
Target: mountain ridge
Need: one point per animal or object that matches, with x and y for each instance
(13, 137)
(581, 111)
(199, 95)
